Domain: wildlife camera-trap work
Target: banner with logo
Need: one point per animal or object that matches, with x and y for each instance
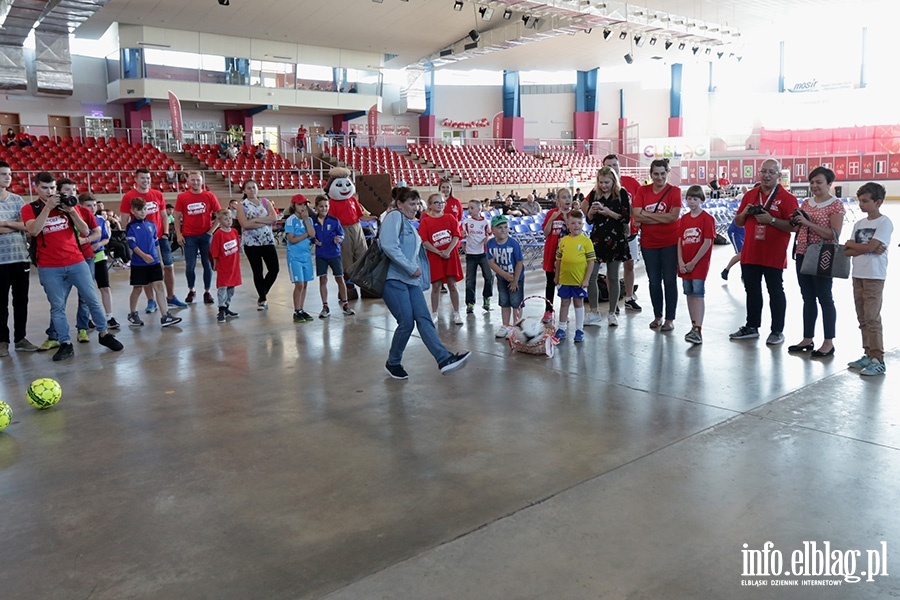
(372, 122)
(175, 114)
(497, 122)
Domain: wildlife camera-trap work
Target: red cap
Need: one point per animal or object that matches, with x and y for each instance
(299, 199)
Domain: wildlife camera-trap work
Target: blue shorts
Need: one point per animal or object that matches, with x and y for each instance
(694, 287)
(300, 270)
(736, 237)
(165, 252)
(508, 299)
(571, 291)
(322, 264)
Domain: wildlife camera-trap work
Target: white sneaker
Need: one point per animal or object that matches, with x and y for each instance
(457, 318)
(592, 318)
(611, 320)
(502, 331)
(434, 317)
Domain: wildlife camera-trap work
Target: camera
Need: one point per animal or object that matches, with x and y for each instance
(67, 200)
(755, 209)
(794, 217)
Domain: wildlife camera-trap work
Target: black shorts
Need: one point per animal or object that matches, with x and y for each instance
(101, 273)
(141, 276)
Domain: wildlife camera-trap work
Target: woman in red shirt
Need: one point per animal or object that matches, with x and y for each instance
(657, 208)
(440, 236)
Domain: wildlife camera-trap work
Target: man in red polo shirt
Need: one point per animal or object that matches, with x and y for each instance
(61, 264)
(156, 214)
(765, 213)
(194, 210)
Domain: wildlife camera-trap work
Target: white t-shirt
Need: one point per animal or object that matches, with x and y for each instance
(476, 232)
(872, 266)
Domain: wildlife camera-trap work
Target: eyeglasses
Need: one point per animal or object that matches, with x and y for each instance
(439, 202)
(769, 172)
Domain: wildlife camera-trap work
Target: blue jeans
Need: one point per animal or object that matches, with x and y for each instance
(194, 244)
(407, 304)
(57, 283)
(662, 269)
(83, 315)
(473, 262)
(813, 288)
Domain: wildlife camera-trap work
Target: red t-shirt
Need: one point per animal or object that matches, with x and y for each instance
(658, 235)
(346, 211)
(631, 186)
(551, 243)
(438, 230)
(765, 245)
(156, 208)
(692, 232)
(56, 244)
(225, 250)
(197, 211)
(88, 217)
(454, 207)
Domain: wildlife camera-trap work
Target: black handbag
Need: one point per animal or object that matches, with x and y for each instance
(370, 271)
(826, 259)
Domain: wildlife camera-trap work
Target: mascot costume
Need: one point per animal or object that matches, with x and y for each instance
(342, 195)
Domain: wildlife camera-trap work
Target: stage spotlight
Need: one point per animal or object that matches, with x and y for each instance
(458, 5)
(486, 13)
(507, 14)
(695, 50)
(475, 36)
(628, 58)
(224, 2)
(638, 41)
(588, 30)
(681, 46)
(623, 35)
(606, 34)
(707, 52)
(653, 41)
(668, 44)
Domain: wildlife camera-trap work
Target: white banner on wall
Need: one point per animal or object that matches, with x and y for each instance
(675, 147)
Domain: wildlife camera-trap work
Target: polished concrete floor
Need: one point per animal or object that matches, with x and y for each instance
(259, 459)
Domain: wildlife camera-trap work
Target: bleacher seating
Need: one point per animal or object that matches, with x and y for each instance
(491, 165)
(369, 161)
(272, 172)
(584, 166)
(99, 165)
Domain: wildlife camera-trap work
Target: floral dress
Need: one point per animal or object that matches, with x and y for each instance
(610, 236)
(261, 236)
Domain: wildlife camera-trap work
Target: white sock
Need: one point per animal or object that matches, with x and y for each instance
(579, 318)
(563, 325)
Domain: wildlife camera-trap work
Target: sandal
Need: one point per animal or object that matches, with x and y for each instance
(667, 327)
(656, 323)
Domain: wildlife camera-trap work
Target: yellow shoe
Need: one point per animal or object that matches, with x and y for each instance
(48, 345)
(83, 336)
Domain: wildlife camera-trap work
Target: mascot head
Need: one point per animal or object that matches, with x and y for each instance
(339, 187)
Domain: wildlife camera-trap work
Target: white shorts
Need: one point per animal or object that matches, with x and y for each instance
(634, 248)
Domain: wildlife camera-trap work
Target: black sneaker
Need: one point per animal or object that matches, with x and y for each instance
(744, 333)
(306, 316)
(230, 313)
(207, 298)
(454, 363)
(110, 341)
(65, 351)
(725, 274)
(396, 371)
(169, 319)
(221, 316)
(632, 305)
(91, 325)
(298, 318)
(112, 323)
(135, 320)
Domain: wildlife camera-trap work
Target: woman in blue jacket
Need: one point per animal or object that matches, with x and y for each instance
(407, 279)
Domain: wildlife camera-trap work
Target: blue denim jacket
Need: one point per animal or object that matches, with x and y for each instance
(402, 245)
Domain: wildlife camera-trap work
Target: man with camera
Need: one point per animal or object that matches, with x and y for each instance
(56, 227)
(765, 214)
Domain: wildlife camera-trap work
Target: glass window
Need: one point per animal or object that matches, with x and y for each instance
(473, 77)
(547, 77)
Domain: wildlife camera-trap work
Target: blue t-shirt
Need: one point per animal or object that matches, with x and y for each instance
(301, 250)
(506, 255)
(325, 233)
(142, 234)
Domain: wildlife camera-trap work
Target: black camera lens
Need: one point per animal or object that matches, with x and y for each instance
(67, 200)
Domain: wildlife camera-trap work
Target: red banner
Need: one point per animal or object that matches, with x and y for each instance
(175, 113)
(498, 128)
(373, 123)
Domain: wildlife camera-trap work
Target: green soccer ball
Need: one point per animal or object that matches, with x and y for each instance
(44, 393)
(5, 415)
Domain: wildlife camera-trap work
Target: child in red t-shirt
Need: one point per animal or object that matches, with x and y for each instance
(440, 236)
(554, 227)
(224, 250)
(696, 233)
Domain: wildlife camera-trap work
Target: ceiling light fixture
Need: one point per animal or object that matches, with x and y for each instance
(606, 34)
(707, 52)
(623, 35)
(681, 46)
(588, 30)
(695, 50)
(638, 41)
(668, 44)
(720, 55)
(486, 13)
(474, 35)
(530, 22)
(507, 14)
(628, 58)
(458, 5)
(224, 2)
(652, 41)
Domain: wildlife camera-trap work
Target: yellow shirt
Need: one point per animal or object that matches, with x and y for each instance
(575, 254)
